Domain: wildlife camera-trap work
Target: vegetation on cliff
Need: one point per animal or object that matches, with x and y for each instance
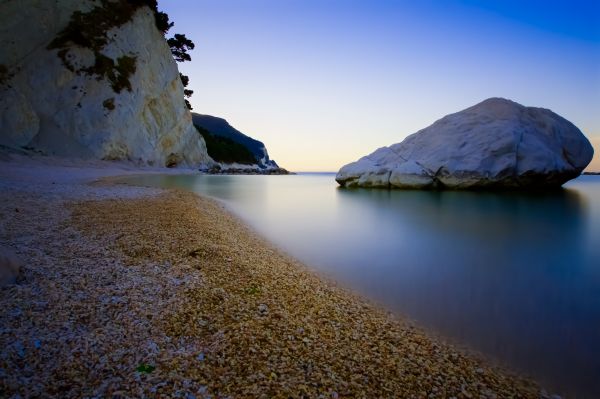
(90, 29)
(225, 150)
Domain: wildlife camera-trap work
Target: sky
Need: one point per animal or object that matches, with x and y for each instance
(324, 82)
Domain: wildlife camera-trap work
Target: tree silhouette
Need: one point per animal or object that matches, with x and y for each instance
(161, 20)
(180, 45)
(185, 80)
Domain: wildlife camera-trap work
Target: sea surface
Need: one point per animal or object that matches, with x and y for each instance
(514, 276)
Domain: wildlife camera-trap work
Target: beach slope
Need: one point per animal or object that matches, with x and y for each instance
(138, 292)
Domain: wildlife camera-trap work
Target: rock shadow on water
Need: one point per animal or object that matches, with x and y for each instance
(505, 273)
(531, 215)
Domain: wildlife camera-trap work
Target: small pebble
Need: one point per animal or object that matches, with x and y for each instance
(263, 309)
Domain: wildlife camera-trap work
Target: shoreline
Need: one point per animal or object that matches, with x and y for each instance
(137, 291)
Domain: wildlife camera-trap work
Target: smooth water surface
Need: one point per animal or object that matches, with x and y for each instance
(514, 276)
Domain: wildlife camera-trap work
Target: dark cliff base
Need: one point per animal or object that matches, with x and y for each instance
(526, 182)
(217, 170)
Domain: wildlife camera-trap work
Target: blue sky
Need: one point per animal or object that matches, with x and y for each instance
(323, 82)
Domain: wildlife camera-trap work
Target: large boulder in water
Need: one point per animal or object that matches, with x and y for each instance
(495, 144)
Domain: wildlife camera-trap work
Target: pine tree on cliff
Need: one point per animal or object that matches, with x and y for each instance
(179, 44)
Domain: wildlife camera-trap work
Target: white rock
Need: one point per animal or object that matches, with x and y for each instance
(410, 175)
(47, 106)
(494, 144)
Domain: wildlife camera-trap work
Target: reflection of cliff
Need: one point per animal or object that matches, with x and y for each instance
(507, 274)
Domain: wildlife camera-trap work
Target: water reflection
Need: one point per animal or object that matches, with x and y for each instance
(515, 276)
(506, 273)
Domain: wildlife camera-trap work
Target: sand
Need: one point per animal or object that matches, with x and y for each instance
(138, 292)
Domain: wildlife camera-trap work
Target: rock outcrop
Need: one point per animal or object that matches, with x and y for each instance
(92, 79)
(257, 161)
(496, 144)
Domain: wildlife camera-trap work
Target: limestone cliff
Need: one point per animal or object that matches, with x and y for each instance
(92, 79)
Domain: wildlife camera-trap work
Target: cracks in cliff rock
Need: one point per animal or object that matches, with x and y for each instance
(387, 179)
(565, 156)
(427, 171)
(17, 65)
(519, 141)
(564, 152)
(430, 173)
(436, 181)
(398, 154)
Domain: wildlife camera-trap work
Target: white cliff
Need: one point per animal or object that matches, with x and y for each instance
(494, 144)
(53, 98)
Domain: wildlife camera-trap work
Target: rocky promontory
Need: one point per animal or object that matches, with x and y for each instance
(496, 144)
(233, 151)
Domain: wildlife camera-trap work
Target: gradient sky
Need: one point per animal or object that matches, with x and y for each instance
(324, 82)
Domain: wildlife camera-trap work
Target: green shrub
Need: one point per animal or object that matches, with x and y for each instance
(145, 368)
(109, 104)
(89, 30)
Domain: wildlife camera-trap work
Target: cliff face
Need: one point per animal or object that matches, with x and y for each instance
(221, 128)
(92, 79)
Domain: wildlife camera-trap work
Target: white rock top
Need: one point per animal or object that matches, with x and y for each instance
(494, 144)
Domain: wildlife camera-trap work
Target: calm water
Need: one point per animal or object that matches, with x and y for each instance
(515, 276)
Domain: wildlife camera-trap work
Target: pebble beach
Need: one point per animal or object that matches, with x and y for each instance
(130, 292)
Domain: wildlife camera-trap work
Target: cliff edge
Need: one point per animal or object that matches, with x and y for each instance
(93, 79)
